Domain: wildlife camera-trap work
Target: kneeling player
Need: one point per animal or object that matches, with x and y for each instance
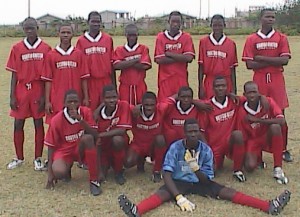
(67, 142)
(147, 136)
(188, 169)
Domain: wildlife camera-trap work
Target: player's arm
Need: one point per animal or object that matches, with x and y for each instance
(278, 120)
(142, 66)
(113, 132)
(13, 83)
(167, 176)
(201, 93)
(186, 58)
(48, 105)
(202, 105)
(164, 60)
(113, 77)
(233, 80)
(84, 87)
(251, 64)
(124, 64)
(51, 178)
(272, 61)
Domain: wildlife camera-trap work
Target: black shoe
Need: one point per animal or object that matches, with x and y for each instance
(239, 175)
(262, 165)
(95, 188)
(287, 157)
(120, 179)
(127, 206)
(277, 204)
(82, 166)
(156, 177)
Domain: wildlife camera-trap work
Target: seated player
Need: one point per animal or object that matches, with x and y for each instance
(147, 136)
(261, 128)
(133, 60)
(70, 138)
(188, 169)
(114, 119)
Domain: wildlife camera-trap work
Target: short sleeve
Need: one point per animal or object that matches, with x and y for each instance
(248, 52)
(189, 46)
(11, 62)
(145, 56)
(159, 47)
(284, 47)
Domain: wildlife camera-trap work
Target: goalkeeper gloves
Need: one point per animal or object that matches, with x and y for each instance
(184, 203)
(191, 160)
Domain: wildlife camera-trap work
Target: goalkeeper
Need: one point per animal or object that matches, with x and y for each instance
(188, 169)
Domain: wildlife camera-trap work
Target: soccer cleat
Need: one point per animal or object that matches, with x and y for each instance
(287, 157)
(120, 179)
(95, 188)
(14, 164)
(156, 177)
(39, 165)
(277, 204)
(262, 165)
(82, 166)
(239, 175)
(127, 206)
(278, 174)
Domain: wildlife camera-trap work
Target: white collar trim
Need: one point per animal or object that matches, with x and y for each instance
(176, 37)
(69, 119)
(64, 53)
(263, 36)
(250, 111)
(144, 116)
(184, 112)
(129, 49)
(214, 41)
(34, 46)
(105, 117)
(219, 105)
(91, 39)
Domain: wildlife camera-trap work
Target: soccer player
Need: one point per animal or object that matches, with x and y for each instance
(98, 49)
(65, 68)
(174, 49)
(217, 56)
(27, 91)
(188, 169)
(266, 52)
(147, 136)
(114, 119)
(261, 130)
(133, 60)
(70, 138)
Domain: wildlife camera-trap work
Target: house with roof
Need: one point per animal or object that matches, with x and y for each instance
(114, 18)
(48, 21)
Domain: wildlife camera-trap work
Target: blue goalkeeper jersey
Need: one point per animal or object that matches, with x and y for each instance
(174, 162)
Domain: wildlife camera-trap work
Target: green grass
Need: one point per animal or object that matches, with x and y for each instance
(22, 190)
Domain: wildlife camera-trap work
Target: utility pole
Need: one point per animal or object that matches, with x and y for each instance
(208, 8)
(28, 8)
(200, 9)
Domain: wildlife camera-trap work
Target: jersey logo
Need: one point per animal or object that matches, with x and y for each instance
(32, 56)
(224, 116)
(216, 54)
(74, 137)
(66, 64)
(146, 127)
(137, 56)
(266, 46)
(177, 122)
(176, 46)
(257, 125)
(95, 50)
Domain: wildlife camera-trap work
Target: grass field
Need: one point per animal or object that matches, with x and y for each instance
(22, 190)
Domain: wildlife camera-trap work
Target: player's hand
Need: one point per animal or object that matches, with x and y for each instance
(85, 102)
(13, 103)
(73, 112)
(191, 160)
(51, 182)
(206, 107)
(252, 119)
(184, 203)
(41, 103)
(264, 102)
(48, 108)
(201, 93)
(234, 97)
(136, 111)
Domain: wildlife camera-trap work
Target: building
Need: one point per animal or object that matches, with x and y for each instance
(188, 20)
(48, 21)
(112, 19)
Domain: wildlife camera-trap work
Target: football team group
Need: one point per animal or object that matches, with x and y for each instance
(186, 137)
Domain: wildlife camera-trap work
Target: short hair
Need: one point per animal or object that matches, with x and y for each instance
(175, 13)
(188, 122)
(185, 88)
(131, 25)
(108, 88)
(94, 13)
(219, 77)
(69, 92)
(149, 95)
(262, 12)
(217, 17)
(249, 83)
(65, 24)
(28, 19)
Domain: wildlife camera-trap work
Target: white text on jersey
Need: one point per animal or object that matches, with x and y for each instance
(66, 64)
(32, 56)
(74, 137)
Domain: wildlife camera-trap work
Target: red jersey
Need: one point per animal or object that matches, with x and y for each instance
(64, 69)
(255, 130)
(217, 57)
(64, 132)
(182, 43)
(274, 44)
(220, 122)
(27, 60)
(120, 118)
(99, 52)
(145, 129)
(131, 75)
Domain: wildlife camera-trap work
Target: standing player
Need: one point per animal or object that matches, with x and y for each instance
(65, 69)
(217, 56)
(188, 169)
(174, 49)
(133, 60)
(67, 142)
(27, 90)
(114, 119)
(98, 49)
(266, 52)
(147, 136)
(261, 130)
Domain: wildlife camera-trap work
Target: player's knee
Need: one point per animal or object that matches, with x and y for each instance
(237, 137)
(250, 164)
(275, 129)
(87, 140)
(19, 124)
(59, 169)
(160, 141)
(118, 143)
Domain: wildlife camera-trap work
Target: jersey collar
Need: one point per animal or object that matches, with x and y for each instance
(91, 39)
(34, 46)
(129, 49)
(176, 37)
(220, 105)
(64, 53)
(214, 41)
(263, 36)
(69, 119)
(144, 116)
(250, 111)
(184, 112)
(105, 117)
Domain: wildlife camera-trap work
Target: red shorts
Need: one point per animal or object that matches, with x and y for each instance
(208, 85)
(69, 156)
(95, 86)
(219, 152)
(132, 93)
(142, 149)
(272, 85)
(258, 145)
(28, 96)
(170, 86)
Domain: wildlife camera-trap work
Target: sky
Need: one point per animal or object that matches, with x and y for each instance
(14, 11)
